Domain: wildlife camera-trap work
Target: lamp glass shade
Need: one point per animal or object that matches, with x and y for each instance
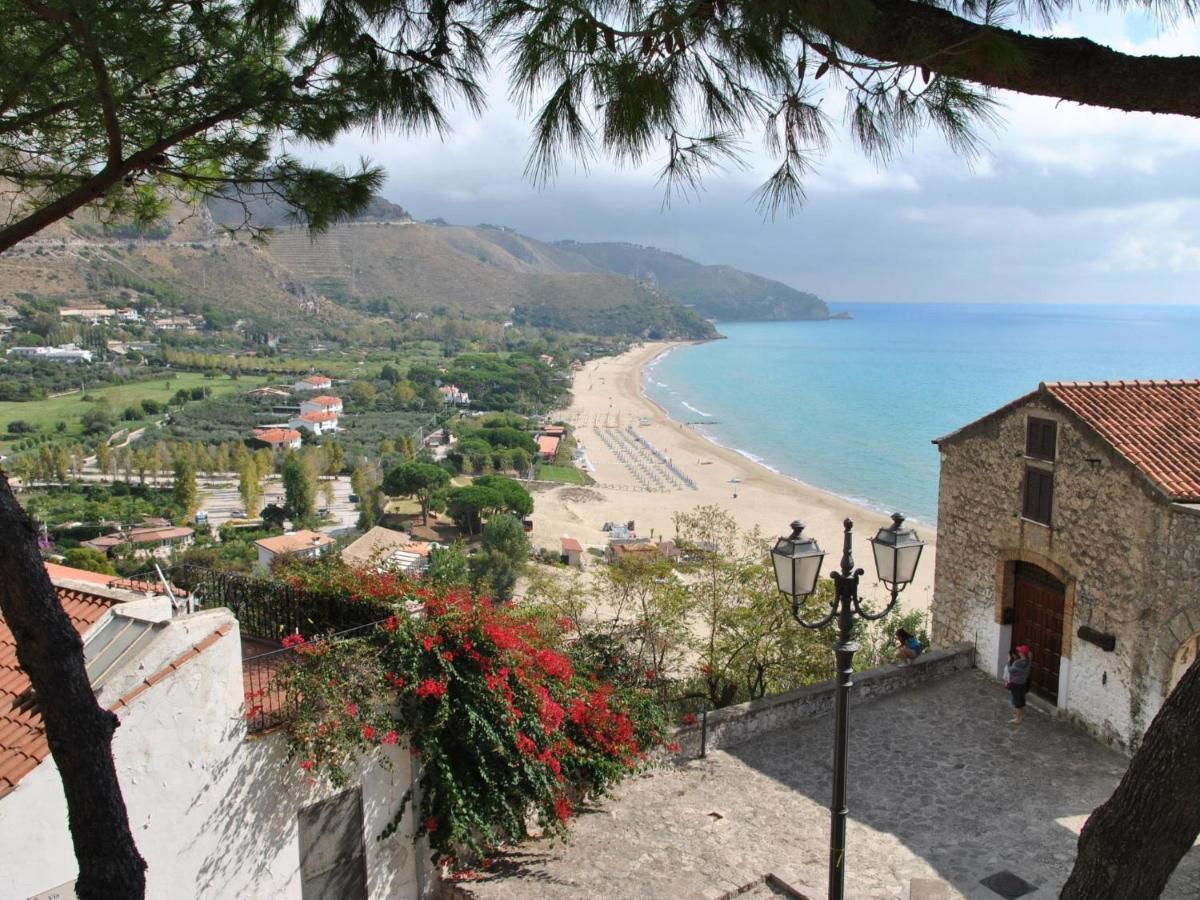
(897, 552)
(797, 565)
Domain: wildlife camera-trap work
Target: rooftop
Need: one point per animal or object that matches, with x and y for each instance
(23, 742)
(570, 545)
(294, 541)
(1153, 424)
(940, 788)
(276, 435)
(319, 417)
(325, 400)
(316, 379)
(380, 543)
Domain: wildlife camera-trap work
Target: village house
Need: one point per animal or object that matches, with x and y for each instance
(451, 394)
(217, 807)
(1069, 520)
(90, 314)
(640, 548)
(269, 393)
(548, 445)
(572, 552)
(313, 383)
(383, 548)
(321, 403)
(303, 543)
(278, 438)
(316, 422)
(151, 540)
(64, 353)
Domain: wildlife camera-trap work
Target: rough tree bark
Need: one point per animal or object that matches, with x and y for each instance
(1133, 842)
(50, 651)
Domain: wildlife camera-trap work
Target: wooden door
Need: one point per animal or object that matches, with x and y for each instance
(1038, 601)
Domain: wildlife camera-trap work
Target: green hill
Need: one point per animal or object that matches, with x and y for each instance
(716, 292)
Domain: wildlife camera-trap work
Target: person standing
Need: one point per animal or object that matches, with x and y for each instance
(1019, 670)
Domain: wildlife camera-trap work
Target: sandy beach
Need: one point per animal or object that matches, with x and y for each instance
(608, 399)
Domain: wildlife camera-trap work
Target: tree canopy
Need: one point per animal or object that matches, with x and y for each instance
(121, 104)
(418, 480)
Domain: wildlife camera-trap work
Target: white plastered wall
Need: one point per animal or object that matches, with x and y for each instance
(213, 814)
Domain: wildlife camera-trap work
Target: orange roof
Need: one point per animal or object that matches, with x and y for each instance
(570, 545)
(294, 542)
(23, 743)
(1153, 424)
(325, 400)
(276, 435)
(319, 417)
(554, 429)
(548, 443)
(316, 379)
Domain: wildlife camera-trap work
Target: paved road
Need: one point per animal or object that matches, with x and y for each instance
(941, 788)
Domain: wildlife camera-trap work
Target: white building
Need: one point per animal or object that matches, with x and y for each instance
(452, 394)
(214, 812)
(316, 422)
(91, 314)
(303, 543)
(313, 383)
(65, 353)
(321, 404)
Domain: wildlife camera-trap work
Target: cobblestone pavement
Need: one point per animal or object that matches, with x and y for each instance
(942, 790)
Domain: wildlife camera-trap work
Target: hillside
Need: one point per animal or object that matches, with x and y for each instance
(717, 292)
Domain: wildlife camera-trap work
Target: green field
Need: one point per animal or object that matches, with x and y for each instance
(45, 414)
(565, 474)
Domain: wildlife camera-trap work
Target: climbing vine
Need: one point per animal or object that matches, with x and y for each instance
(507, 720)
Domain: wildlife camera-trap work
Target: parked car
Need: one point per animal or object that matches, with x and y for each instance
(354, 498)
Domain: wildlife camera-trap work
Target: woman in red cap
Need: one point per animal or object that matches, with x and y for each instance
(1019, 669)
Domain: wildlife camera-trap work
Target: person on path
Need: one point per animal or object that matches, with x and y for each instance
(910, 646)
(1019, 670)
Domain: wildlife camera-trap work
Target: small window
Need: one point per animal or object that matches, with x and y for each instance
(1039, 494)
(1040, 437)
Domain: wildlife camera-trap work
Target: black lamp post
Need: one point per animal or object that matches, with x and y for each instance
(797, 566)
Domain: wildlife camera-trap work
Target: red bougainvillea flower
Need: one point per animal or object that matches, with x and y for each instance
(292, 640)
(428, 644)
(368, 733)
(555, 665)
(391, 623)
(431, 824)
(562, 809)
(306, 765)
(351, 709)
(673, 747)
(390, 738)
(525, 746)
(431, 688)
(396, 681)
(688, 719)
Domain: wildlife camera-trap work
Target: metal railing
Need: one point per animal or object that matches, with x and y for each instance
(267, 703)
(269, 609)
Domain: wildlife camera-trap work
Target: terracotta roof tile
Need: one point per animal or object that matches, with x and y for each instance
(1153, 424)
(22, 735)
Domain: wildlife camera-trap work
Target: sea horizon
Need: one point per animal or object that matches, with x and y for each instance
(851, 407)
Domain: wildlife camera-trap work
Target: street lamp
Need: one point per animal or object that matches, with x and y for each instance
(797, 562)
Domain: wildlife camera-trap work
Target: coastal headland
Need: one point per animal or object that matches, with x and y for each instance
(633, 483)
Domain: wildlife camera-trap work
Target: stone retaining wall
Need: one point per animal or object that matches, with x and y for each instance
(733, 725)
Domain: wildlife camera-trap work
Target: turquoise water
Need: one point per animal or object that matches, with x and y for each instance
(851, 406)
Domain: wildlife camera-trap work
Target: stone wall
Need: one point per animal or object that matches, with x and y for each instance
(1118, 545)
(733, 725)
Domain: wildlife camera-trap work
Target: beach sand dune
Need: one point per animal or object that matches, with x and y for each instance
(684, 470)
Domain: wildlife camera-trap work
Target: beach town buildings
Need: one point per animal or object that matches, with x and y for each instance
(316, 422)
(89, 314)
(572, 552)
(216, 806)
(155, 540)
(384, 548)
(1069, 520)
(279, 438)
(321, 404)
(303, 543)
(313, 383)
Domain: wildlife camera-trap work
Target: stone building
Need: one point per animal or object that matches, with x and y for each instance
(1069, 520)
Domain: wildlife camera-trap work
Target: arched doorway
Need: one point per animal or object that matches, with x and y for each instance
(1038, 603)
(1184, 657)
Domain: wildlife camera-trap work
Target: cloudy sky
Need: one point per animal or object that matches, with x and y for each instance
(1068, 204)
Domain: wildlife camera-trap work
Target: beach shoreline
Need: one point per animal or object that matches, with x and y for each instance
(615, 423)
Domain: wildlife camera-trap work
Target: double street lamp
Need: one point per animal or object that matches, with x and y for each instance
(797, 562)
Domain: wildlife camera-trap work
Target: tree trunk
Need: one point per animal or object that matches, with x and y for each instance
(50, 651)
(1131, 844)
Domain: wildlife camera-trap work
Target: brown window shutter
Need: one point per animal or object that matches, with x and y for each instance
(1040, 438)
(1038, 500)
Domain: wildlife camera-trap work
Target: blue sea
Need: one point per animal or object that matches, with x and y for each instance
(852, 406)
